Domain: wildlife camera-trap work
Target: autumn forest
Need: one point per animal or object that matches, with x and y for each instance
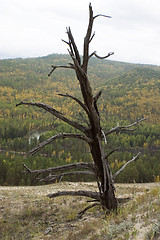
(130, 92)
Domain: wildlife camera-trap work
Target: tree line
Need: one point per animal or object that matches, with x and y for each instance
(14, 155)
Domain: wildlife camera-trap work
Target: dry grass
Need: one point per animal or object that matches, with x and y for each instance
(26, 213)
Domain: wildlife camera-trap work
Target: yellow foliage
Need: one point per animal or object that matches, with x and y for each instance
(157, 179)
(68, 159)
(53, 153)
(7, 154)
(145, 145)
(157, 143)
(112, 165)
(60, 153)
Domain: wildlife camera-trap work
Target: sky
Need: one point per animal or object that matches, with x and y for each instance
(34, 28)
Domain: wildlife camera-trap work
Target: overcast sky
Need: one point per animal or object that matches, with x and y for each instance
(33, 28)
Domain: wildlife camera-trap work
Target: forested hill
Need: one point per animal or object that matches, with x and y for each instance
(130, 91)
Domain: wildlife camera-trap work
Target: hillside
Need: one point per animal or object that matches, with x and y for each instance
(26, 213)
(130, 91)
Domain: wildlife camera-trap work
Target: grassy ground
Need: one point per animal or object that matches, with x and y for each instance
(26, 213)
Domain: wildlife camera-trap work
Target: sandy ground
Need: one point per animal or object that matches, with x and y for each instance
(14, 200)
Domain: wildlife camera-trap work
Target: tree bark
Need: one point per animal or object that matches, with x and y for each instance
(92, 134)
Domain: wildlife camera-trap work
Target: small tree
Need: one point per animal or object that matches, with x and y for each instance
(93, 134)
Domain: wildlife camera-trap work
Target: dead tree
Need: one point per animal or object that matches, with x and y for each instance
(93, 134)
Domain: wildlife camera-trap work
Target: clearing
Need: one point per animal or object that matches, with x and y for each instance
(26, 213)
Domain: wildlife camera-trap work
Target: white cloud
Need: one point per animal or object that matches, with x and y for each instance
(35, 28)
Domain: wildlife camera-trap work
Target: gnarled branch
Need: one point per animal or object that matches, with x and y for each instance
(88, 166)
(87, 208)
(108, 55)
(104, 136)
(125, 128)
(90, 194)
(60, 66)
(56, 114)
(106, 157)
(60, 135)
(73, 46)
(97, 56)
(87, 40)
(53, 178)
(77, 100)
(101, 15)
(97, 96)
(92, 37)
(122, 168)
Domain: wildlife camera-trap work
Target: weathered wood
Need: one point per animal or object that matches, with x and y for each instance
(94, 195)
(76, 99)
(60, 66)
(87, 208)
(56, 113)
(88, 166)
(106, 156)
(58, 177)
(92, 134)
(55, 137)
(123, 167)
(125, 128)
(97, 56)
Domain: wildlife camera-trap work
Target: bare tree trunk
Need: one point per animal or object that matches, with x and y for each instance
(92, 134)
(104, 177)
